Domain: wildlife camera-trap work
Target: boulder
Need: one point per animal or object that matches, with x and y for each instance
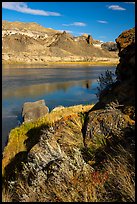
(34, 110)
(58, 108)
(105, 125)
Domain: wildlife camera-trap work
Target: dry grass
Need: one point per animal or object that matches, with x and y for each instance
(98, 63)
(122, 175)
(6, 195)
(63, 64)
(115, 183)
(82, 187)
(112, 183)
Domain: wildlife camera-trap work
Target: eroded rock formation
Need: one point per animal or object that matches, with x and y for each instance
(32, 43)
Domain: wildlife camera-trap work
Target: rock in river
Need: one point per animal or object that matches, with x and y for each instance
(34, 110)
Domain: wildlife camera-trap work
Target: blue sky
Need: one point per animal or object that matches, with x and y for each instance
(102, 20)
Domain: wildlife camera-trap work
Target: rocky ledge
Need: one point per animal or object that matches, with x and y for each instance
(81, 154)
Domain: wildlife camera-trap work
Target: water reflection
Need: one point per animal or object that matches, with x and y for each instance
(41, 89)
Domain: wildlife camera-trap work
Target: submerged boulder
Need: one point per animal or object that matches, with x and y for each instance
(34, 110)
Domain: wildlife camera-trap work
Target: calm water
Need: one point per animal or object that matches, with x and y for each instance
(57, 86)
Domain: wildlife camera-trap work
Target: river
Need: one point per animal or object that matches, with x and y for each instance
(64, 86)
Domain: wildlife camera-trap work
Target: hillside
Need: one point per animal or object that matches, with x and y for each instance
(32, 43)
(79, 153)
(26, 27)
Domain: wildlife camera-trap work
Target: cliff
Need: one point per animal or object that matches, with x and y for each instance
(32, 43)
(78, 154)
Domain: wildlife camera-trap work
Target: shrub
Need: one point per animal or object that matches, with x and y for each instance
(105, 82)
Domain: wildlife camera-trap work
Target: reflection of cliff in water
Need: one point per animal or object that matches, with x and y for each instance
(41, 89)
(88, 84)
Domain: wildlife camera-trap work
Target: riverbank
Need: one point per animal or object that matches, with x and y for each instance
(95, 63)
(60, 63)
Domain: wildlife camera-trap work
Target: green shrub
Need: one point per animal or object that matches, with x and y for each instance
(105, 82)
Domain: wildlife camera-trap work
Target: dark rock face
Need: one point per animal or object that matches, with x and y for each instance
(125, 38)
(110, 46)
(126, 44)
(123, 91)
(34, 110)
(90, 40)
(109, 117)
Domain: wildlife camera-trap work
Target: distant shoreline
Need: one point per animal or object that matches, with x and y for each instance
(63, 64)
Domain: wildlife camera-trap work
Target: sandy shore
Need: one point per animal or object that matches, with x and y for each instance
(62, 64)
(98, 63)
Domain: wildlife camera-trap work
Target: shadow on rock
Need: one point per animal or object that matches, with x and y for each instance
(15, 166)
(34, 136)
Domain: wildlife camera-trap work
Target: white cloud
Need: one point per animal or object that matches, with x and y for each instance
(116, 7)
(79, 24)
(102, 21)
(130, 2)
(75, 24)
(23, 8)
(66, 24)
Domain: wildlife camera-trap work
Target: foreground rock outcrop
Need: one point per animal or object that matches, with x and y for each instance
(82, 156)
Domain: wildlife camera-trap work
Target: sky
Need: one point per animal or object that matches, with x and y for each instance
(102, 20)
